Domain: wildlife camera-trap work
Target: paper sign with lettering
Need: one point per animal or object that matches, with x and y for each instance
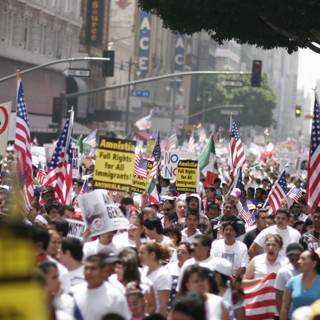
(186, 178)
(76, 228)
(100, 214)
(75, 161)
(114, 164)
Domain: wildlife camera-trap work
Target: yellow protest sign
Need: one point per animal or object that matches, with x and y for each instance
(140, 184)
(186, 176)
(23, 300)
(114, 164)
(150, 146)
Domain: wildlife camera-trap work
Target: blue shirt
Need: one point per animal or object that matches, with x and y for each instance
(301, 297)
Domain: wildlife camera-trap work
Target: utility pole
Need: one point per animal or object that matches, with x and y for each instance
(173, 107)
(128, 97)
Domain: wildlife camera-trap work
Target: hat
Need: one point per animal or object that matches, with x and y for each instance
(108, 256)
(236, 192)
(46, 189)
(223, 266)
(294, 248)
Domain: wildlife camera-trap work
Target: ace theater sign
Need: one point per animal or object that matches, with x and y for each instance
(94, 22)
(144, 43)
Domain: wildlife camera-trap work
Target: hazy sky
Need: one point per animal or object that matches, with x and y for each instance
(309, 69)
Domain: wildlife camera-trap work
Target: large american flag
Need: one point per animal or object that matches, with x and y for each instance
(313, 180)
(60, 167)
(140, 165)
(170, 142)
(22, 146)
(260, 299)
(278, 192)
(237, 157)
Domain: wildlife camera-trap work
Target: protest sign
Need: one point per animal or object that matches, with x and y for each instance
(170, 162)
(140, 184)
(5, 110)
(114, 164)
(186, 176)
(75, 161)
(75, 228)
(100, 214)
(150, 146)
(38, 156)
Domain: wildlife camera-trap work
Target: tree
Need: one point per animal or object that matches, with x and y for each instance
(268, 24)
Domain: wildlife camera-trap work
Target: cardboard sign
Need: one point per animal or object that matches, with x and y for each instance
(76, 228)
(100, 214)
(5, 110)
(140, 184)
(114, 164)
(150, 146)
(186, 176)
(170, 162)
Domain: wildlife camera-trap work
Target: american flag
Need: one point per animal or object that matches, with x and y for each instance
(313, 180)
(295, 194)
(244, 212)
(22, 146)
(192, 143)
(278, 192)
(60, 167)
(260, 299)
(41, 175)
(237, 157)
(140, 165)
(169, 143)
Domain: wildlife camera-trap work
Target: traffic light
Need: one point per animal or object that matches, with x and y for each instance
(108, 66)
(298, 111)
(56, 110)
(256, 73)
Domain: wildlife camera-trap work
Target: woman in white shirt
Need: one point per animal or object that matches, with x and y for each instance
(197, 279)
(269, 262)
(151, 254)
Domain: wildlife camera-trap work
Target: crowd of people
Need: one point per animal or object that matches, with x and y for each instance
(191, 257)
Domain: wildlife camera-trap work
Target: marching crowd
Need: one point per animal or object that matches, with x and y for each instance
(191, 257)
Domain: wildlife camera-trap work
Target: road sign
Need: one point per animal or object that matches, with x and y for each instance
(229, 112)
(71, 72)
(140, 93)
(232, 83)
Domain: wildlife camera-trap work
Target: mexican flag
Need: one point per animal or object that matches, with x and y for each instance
(153, 195)
(208, 162)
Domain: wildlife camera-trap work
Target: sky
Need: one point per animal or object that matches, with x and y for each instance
(309, 70)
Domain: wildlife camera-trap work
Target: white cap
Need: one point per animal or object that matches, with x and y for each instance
(223, 266)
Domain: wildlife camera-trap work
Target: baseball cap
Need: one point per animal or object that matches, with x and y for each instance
(294, 248)
(222, 266)
(236, 192)
(108, 255)
(46, 189)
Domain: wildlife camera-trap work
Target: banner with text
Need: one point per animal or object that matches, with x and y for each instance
(5, 110)
(114, 164)
(186, 176)
(100, 214)
(75, 228)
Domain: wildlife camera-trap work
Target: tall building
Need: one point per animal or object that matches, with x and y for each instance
(34, 32)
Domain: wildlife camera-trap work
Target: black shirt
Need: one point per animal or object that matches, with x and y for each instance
(250, 236)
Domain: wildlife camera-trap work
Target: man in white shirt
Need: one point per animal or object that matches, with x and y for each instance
(282, 228)
(71, 257)
(95, 297)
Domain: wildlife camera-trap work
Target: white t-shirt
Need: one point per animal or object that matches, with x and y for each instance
(76, 276)
(231, 307)
(93, 247)
(122, 241)
(95, 303)
(288, 235)
(161, 280)
(284, 274)
(263, 267)
(186, 238)
(63, 274)
(213, 306)
(237, 253)
(64, 305)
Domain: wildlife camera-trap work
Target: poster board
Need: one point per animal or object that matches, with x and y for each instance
(186, 176)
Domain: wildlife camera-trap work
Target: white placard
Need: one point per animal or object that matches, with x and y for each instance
(75, 161)
(100, 214)
(76, 228)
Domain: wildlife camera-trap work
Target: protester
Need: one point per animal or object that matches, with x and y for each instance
(303, 289)
(154, 231)
(197, 279)
(191, 230)
(310, 240)
(96, 297)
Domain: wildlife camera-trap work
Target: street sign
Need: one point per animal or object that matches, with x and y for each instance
(71, 72)
(140, 93)
(229, 112)
(232, 83)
